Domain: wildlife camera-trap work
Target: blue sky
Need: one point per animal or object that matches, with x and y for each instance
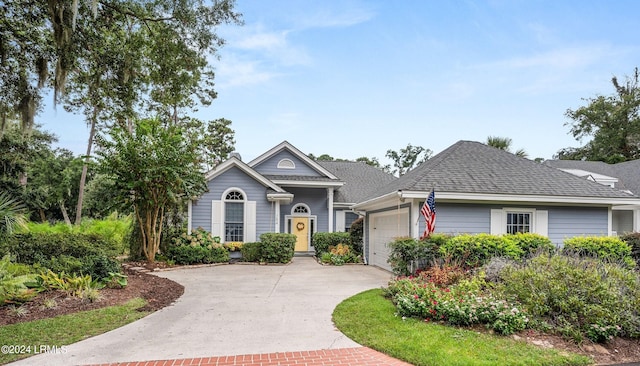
(356, 78)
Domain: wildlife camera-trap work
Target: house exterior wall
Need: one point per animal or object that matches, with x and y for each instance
(202, 208)
(315, 198)
(563, 222)
(270, 166)
(622, 221)
(567, 222)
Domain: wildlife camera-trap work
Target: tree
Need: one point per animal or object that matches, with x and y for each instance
(408, 157)
(154, 167)
(374, 162)
(504, 143)
(612, 122)
(12, 214)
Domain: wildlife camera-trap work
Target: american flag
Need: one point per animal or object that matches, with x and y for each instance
(429, 212)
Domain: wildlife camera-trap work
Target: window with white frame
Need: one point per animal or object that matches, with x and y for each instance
(519, 222)
(234, 216)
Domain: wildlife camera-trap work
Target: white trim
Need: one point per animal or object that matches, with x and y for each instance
(312, 218)
(235, 162)
(298, 213)
(307, 183)
(286, 163)
(276, 228)
(330, 208)
(539, 220)
(610, 222)
(189, 216)
(636, 220)
(299, 154)
(230, 189)
(341, 219)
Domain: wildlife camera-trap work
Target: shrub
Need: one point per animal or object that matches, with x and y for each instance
(604, 247)
(408, 254)
(30, 248)
(15, 286)
(531, 243)
(340, 255)
(187, 254)
(476, 250)
(576, 296)
(420, 298)
(250, 252)
(356, 233)
(322, 241)
(98, 266)
(633, 240)
(277, 247)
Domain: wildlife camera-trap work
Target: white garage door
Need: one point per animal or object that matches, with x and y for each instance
(384, 227)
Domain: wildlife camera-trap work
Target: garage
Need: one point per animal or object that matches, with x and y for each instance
(384, 227)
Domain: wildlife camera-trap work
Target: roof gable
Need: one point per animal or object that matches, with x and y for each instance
(235, 162)
(473, 167)
(628, 172)
(286, 160)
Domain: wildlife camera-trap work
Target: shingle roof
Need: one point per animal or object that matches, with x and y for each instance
(360, 179)
(473, 167)
(628, 173)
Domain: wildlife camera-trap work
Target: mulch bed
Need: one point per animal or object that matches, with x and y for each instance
(159, 292)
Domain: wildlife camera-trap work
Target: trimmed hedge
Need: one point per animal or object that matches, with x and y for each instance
(250, 252)
(277, 247)
(408, 254)
(322, 241)
(356, 233)
(187, 254)
(603, 247)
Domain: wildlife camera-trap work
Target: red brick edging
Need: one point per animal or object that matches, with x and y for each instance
(340, 356)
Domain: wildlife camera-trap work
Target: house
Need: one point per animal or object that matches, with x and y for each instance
(480, 189)
(282, 191)
(622, 176)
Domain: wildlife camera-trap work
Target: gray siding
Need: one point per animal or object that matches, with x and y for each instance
(316, 199)
(255, 191)
(460, 219)
(270, 166)
(567, 222)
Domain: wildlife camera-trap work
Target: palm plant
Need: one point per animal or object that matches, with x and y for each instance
(504, 143)
(13, 214)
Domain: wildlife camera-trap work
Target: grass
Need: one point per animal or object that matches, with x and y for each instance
(66, 329)
(368, 318)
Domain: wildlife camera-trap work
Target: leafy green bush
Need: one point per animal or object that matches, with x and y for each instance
(531, 243)
(633, 240)
(250, 252)
(476, 250)
(15, 286)
(30, 248)
(419, 297)
(340, 255)
(576, 296)
(356, 233)
(408, 254)
(277, 247)
(322, 241)
(200, 249)
(604, 247)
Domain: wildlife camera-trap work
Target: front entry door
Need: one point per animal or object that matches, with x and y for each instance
(300, 228)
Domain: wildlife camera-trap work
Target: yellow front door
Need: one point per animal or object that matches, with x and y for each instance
(300, 228)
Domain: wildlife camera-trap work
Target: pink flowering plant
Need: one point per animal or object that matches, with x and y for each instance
(458, 304)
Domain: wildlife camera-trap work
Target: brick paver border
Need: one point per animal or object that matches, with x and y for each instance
(340, 356)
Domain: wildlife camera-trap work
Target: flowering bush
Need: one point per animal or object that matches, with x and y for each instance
(455, 305)
(197, 247)
(198, 237)
(233, 246)
(339, 255)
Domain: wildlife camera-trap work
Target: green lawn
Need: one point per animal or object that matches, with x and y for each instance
(368, 318)
(67, 329)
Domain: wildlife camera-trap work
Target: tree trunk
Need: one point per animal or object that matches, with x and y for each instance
(43, 217)
(85, 167)
(65, 215)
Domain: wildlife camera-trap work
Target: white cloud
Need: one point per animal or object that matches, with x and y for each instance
(233, 72)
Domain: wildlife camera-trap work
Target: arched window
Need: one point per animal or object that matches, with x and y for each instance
(234, 202)
(300, 210)
(286, 164)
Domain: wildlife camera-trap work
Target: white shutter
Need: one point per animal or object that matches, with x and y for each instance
(340, 220)
(216, 219)
(497, 222)
(542, 222)
(250, 221)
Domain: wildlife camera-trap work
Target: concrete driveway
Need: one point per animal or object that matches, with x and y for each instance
(234, 310)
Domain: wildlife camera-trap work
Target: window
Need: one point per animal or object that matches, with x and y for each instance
(286, 164)
(518, 222)
(234, 216)
(300, 209)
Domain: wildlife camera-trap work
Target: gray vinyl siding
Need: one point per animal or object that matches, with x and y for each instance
(270, 166)
(234, 177)
(460, 219)
(567, 222)
(315, 198)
